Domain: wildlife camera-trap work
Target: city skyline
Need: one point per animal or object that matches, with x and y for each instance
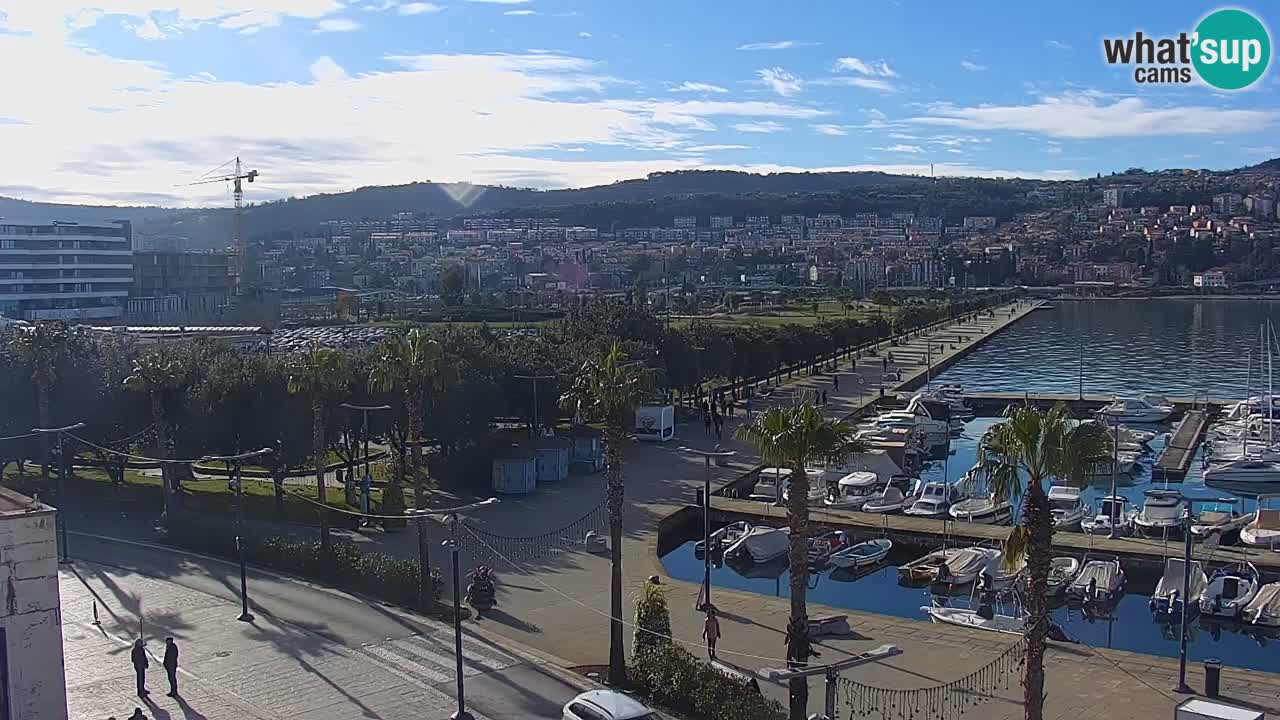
(327, 95)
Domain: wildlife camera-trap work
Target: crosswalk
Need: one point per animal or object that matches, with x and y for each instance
(429, 659)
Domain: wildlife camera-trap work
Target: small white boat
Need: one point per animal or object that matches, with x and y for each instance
(1167, 600)
(761, 544)
(925, 569)
(1230, 591)
(1220, 521)
(1062, 570)
(965, 566)
(965, 617)
(935, 500)
(1161, 513)
(1263, 529)
(1067, 508)
(1124, 461)
(1100, 580)
(1264, 609)
(982, 510)
(1147, 409)
(852, 491)
(1112, 509)
(817, 486)
(890, 500)
(725, 536)
(1244, 471)
(862, 554)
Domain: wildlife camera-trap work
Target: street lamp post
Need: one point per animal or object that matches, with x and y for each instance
(1186, 588)
(451, 516)
(62, 486)
(364, 432)
(1115, 470)
(533, 421)
(234, 463)
(707, 456)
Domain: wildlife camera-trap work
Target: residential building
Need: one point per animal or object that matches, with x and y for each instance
(686, 222)
(65, 271)
(32, 680)
(1227, 203)
(720, 222)
(1209, 278)
(179, 287)
(1113, 197)
(979, 222)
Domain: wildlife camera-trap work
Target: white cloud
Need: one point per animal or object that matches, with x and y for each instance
(901, 148)
(826, 129)
(776, 45)
(972, 66)
(698, 87)
(764, 126)
(148, 30)
(1058, 45)
(875, 114)
(584, 35)
(383, 6)
(1053, 149)
(325, 70)
(521, 12)
(878, 68)
(337, 25)
(903, 136)
(867, 83)
(419, 8)
(500, 2)
(780, 81)
(55, 19)
(714, 148)
(1086, 115)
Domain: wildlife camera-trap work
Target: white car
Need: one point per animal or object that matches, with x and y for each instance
(606, 705)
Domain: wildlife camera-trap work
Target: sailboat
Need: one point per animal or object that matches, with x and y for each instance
(1246, 469)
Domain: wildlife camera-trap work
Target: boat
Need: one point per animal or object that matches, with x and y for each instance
(1100, 580)
(1147, 409)
(1244, 471)
(1264, 609)
(964, 617)
(925, 569)
(1067, 507)
(965, 566)
(725, 536)
(1125, 462)
(1161, 514)
(761, 544)
(935, 500)
(821, 547)
(817, 486)
(1062, 570)
(768, 487)
(1230, 591)
(852, 491)
(982, 510)
(1168, 600)
(1263, 529)
(890, 500)
(1218, 519)
(1111, 509)
(862, 554)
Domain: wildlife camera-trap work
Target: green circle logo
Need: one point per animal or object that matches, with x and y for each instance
(1232, 49)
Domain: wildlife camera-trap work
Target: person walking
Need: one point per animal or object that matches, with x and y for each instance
(835, 382)
(171, 665)
(824, 398)
(137, 714)
(140, 663)
(706, 417)
(711, 631)
(718, 421)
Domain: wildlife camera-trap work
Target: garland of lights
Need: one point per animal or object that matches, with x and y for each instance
(485, 546)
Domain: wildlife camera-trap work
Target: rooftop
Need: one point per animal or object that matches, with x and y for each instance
(15, 503)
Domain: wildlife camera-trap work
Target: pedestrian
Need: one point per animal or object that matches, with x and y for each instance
(706, 419)
(140, 663)
(718, 421)
(824, 398)
(711, 631)
(835, 382)
(137, 714)
(171, 665)
(884, 363)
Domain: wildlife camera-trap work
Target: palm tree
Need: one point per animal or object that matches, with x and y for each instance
(156, 374)
(319, 374)
(793, 437)
(1040, 446)
(414, 364)
(41, 346)
(606, 389)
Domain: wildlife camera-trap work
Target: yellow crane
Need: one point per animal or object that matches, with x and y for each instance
(239, 248)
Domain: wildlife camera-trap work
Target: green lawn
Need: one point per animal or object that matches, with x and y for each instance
(793, 314)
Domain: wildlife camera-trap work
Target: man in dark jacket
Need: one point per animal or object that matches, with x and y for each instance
(140, 663)
(171, 665)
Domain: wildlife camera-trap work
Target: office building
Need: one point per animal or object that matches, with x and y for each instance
(65, 271)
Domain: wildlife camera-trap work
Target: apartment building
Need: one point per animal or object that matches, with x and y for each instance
(65, 271)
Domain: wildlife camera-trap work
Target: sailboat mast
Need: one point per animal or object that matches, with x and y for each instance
(1270, 397)
(1248, 385)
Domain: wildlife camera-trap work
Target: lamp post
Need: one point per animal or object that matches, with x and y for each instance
(707, 456)
(1186, 587)
(533, 421)
(831, 672)
(62, 486)
(234, 463)
(451, 515)
(1115, 469)
(364, 432)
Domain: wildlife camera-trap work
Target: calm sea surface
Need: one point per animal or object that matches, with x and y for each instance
(1129, 347)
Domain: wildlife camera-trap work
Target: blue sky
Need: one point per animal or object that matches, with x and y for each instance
(133, 97)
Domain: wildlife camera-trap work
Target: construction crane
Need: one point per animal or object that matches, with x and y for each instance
(238, 247)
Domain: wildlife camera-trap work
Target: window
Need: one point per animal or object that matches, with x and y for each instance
(585, 712)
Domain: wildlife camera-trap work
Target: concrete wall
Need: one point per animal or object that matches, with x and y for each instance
(31, 617)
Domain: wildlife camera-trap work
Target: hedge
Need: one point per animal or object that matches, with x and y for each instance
(672, 678)
(388, 578)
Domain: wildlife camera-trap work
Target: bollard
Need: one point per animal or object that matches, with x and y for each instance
(96, 621)
(1212, 677)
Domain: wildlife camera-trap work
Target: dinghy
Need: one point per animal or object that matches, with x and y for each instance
(862, 554)
(1100, 580)
(925, 569)
(1062, 570)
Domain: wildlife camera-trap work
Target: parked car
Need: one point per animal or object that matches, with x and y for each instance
(606, 705)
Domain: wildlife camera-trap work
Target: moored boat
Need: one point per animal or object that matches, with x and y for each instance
(1113, 510)
(1264, 609)
(1067, 508)
(852, 491)
(1230, 591)
(1167, 601)
(1147, 409)
(890, 500)
(1100, 580)
(760, 544)
(725, 536)
(988, 510)
(1161, 513)
(1062, 570)
(862, 554)
(925, 569)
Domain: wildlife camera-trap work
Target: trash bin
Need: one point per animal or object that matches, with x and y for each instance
(1212, 677)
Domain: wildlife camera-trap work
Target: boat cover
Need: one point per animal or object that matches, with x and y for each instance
(1171, 581)
(1265, 608)
(1104, 571)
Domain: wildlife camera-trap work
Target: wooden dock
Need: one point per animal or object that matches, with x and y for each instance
(991, 404)
(1176, 457)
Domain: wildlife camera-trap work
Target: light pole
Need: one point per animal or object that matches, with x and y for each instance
(1115, 469)
(233, 472)
(1186, 588)
(364, 432)
(451, 515)
(831, 672)
(707, 456)
(533, 421)
(62, 486)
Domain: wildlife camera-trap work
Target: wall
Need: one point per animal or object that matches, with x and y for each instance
(30, 615)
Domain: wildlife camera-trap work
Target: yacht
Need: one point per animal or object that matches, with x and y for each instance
(852, 491)
(1161, 513)
(1067, 508)
(1167, 601)
(1111, 509)
(1244, 472)
(988, 510)
(935, 500)
(1263, 529)
(1147, 409)
(929, 417)
(1230, 591)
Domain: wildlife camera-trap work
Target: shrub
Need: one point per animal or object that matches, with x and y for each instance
(653, 618)
(671, 677)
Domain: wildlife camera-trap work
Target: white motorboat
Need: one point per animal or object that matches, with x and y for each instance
(1135, 435)
(1264, 609)
(1263, 529)
(965, 617)
(1230, 591)
(1147, 409)
(1100, 580)
(965, 566)
(862, 554)
(852, 491)
(925, 569)
(1112, 510)
(761, 544)
(725, 536)
(1221, 521)
(982, 510)
(1067, 507)
(935, 500)
(1243, 472)
(1168, 600)
(890, 500)
(928, 417)
(817, 486)
(1125, 461)
(1062, 570)
(1161, 513)
(769, 483)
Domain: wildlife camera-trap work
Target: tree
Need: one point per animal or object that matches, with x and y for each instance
(1040, 445)
(452, 282)
(414, 364)
(653, 619)
(41, 346)
(607, 388)
(319, 374)
(155, 375)
(792, 438)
